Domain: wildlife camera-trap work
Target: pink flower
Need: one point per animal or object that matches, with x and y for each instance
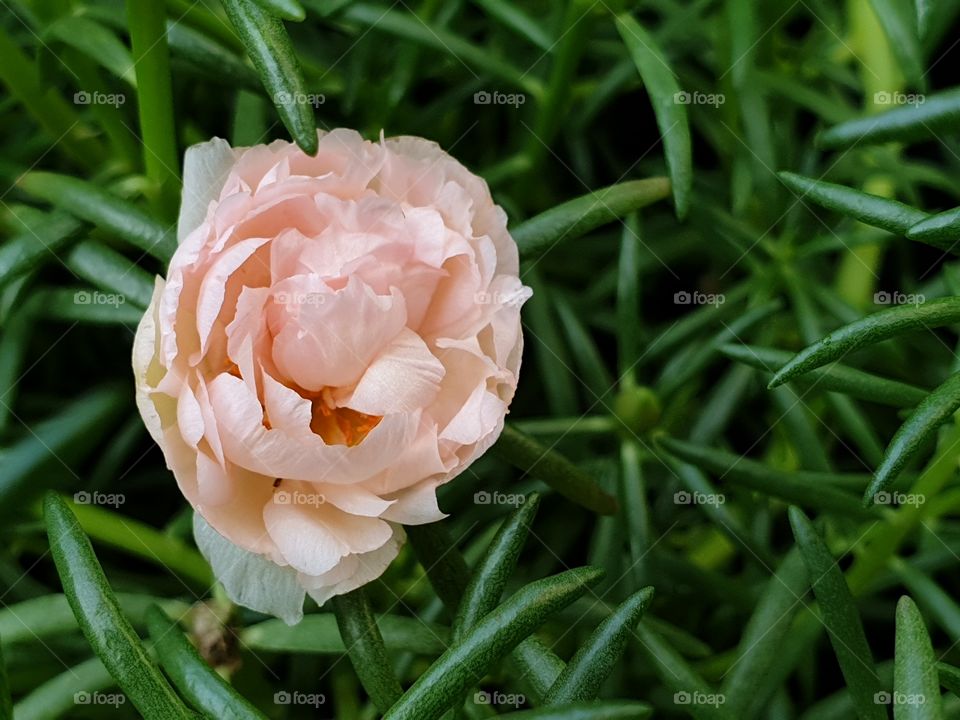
(337, 336)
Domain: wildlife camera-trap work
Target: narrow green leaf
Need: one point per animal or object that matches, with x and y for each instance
(938, 230)
(211, 59)
(934, 600)
(383, 18)
(493, 637)
(517, 20)
(103, 623)
(939, 112)
(690, 690)
(949, 677)
(841, 618)
(286, 9)
(587, 358)
(269, 46)
(745, 684)
(48, 616)
(75, 305)
(539, 666)
(360, 634)
(579, 216)
(96, 42)
(671, 113)
(836, 377)
(62, 438)
(318, 634)
(596, 659)
(868, 331)
(909, 440)
(6, 702)
(49, 110)
(802, 487)
(629, 347)
(57, 697)
(899, 23)
(635, 511)
(40, 243)
(146, 20)
(192, 676)
(916, 686)
(881, 212)
(121, 280)
(495, 567)
(141, 540)
(608, 710)
(526, 454)
(95, 205)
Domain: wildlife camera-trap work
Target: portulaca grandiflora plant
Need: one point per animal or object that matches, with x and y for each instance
(554, 360)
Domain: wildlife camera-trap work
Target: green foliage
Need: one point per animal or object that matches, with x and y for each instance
(782, 336)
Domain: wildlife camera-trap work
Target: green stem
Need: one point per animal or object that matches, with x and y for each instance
(147, 21)
(358, 628)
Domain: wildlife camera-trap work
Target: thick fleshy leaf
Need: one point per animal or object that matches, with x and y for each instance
(103, 623)
(608, 710)
(490, 575)
(597, 658)
(364, 644)
(661, 85)
(198, 682)
(870, 330)
(841, 618)
(916, 686)
(910, 439)
(579, 216)
(493, 637)
(938, 229)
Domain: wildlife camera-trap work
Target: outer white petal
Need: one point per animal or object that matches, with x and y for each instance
(144, 355)
(205, 170)
(249, 579)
